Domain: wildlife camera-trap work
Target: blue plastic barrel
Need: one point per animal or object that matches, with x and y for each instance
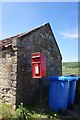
(58, 92)
(72, 89)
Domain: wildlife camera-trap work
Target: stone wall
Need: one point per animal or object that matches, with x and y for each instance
(8, 69)
(42, 41)
(16, 83)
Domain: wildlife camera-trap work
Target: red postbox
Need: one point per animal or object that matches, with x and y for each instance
(38, 65)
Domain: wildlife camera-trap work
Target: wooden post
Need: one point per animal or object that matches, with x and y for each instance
(40, 89)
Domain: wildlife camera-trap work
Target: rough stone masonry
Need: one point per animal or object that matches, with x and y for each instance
(16, 83)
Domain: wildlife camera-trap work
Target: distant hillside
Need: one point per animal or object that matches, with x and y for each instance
(71, 64)
(69, 68)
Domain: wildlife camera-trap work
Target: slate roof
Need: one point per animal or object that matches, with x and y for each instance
(7, 41)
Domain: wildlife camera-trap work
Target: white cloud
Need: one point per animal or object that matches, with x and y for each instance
(69, 35)
(71, 60)
(73, 34)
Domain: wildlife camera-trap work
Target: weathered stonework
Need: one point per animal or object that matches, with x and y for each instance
(8, 69)
(16, 83)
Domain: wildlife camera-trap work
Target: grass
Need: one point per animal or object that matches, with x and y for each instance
(69, 71)
(69, 68)
(0, 109)
(6, 111)
(71, 64)
(30, 111)
(25, 113)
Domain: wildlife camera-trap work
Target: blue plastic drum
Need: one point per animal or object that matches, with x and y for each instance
(72, 89)
(58, 92)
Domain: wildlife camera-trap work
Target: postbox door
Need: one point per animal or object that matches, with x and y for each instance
(36, 69)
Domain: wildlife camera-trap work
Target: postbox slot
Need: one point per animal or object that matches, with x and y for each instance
(36, 59)
(35, 56)
(36, 62)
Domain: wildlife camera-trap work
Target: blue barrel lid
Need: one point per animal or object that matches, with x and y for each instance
(73, 77)
(63, 78)
(60, 78)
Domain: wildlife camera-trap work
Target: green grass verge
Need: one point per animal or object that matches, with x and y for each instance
(24, 113)
(6, 111)
(71, 64)
(69, 71)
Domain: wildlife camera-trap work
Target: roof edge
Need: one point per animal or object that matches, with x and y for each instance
(55, 39)
(9, 39)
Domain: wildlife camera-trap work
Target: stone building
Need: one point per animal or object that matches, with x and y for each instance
(16, 83)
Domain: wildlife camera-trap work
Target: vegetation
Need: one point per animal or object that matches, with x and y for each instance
(25, 113)
(22, 113)
(28, 113)
(71, 64)
(69, 68)
(6, 111)
(33, 110)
